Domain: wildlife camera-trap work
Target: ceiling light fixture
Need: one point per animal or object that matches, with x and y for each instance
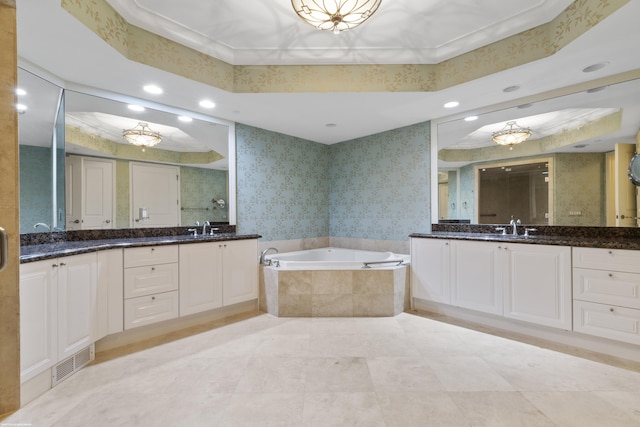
(511, 135)
(470, 118)
(205, 103)
(335, 15)
(451, 104)
(142, 136)
(156, 90)
(136, 108)
(20, 92)
(185, 119)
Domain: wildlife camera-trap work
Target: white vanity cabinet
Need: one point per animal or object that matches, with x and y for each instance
(476, 275)
(606, 293)
(537, 284)
(58, 311)
(151, 281)
(217, 274)
(430, 269)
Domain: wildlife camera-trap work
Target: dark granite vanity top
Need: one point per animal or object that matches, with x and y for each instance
(56, 246)
(589, 237)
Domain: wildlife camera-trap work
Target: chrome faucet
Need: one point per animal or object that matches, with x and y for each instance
(263, 253)
(204, 227)
(515, 224)
(42, 224)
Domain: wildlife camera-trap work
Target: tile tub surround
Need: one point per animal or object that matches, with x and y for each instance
(335, 293)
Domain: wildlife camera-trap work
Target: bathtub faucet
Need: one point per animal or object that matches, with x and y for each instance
(263, 253)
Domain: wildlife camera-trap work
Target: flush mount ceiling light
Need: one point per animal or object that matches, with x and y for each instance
(335, 15)
(142, 136)
(511, 135)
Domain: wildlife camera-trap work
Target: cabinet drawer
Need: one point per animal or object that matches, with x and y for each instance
(607, 259)
(607, 287)
(150, 255)
(150, 309)
(607, 321)
(152, 279)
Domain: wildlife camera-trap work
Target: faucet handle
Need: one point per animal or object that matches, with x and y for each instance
(527, 230)
(194, 230)
(502, 229)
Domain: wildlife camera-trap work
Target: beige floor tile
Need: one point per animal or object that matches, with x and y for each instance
(337, 345)
(499, 409)
(579, 409)
(339, 374)
(468, 374)
(627, 402)
(273, 375)
(389, 345)
(420, 409)
(402, 374)
(283, 346)
(263, 409)
(342, 409)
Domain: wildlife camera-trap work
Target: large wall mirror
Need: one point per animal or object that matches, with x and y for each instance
(102, 180)
(571, 171)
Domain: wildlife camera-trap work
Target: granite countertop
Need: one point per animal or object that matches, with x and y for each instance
(44, 251)
(607, 242)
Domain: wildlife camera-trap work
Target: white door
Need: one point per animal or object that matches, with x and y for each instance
(537, 282)
(38, 317)
(155, 190)
(625, 190)
(476, 276)
(240, 271)
(98, 193)
(200, 277)
(77, 303)
(430, 270)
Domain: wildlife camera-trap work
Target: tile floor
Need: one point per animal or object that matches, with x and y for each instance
(401, 371)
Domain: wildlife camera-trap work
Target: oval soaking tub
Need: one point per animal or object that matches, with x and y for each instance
(335, 282)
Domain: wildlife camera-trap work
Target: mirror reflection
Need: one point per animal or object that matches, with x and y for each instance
(41, 149)
(78, 169)
(130, 166)
(571, 171)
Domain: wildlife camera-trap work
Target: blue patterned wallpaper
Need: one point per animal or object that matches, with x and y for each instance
(380, 185)
(282, 185)
(375, 187)
(35, 187)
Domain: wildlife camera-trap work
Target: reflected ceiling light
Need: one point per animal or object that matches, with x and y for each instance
(156, 90)
(137, 108)
(335, 15)
(142, 136)
(595, 67)
(451, 104)
(470, 118)
(185, 119)
(511, 135)
(20, 92)
(21, 108)
(205, 103)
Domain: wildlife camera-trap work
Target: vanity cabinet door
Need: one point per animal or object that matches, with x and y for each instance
(77, 303)
(240, 271)
(200, 277)
(38, 317)
(430, 270)
(537, 281)
(476, 275)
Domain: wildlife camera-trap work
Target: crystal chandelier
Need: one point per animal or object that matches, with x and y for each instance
(335, 15)
(142, 136)
(511, 134)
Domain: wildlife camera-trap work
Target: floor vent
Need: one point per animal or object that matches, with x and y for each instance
(72, 365)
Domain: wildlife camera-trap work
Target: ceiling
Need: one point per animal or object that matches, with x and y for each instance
(259, 32)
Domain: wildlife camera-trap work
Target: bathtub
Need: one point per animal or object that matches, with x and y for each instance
(335, 282)
(335, 259)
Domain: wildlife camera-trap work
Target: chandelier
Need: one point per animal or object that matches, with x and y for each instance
(511, 134)
(142, 136)
(335, 15)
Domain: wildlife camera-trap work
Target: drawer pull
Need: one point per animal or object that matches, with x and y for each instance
(610, 252)
(62, 264)
(153, 249)
(154, 298)
(153, 269)
(611, 309)
(610, 274)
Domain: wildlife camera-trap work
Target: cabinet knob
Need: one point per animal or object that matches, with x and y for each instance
(610, 252)
(153, 249)
(610, 274)
(153, 298)
(54, 265)
(108, 221)
(611, 309)
(62, 264)
(153, 269)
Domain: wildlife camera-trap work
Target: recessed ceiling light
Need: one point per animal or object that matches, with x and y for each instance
(20, 92)
(156, 90)
(21, 108)
(596, 89)
(137, 108)
(205, 103)
(470, 118)
(185, 119)
(511, 88)
(521, 106)
(580, 146)
(595, 67)
(451, 104)
(331, 125)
